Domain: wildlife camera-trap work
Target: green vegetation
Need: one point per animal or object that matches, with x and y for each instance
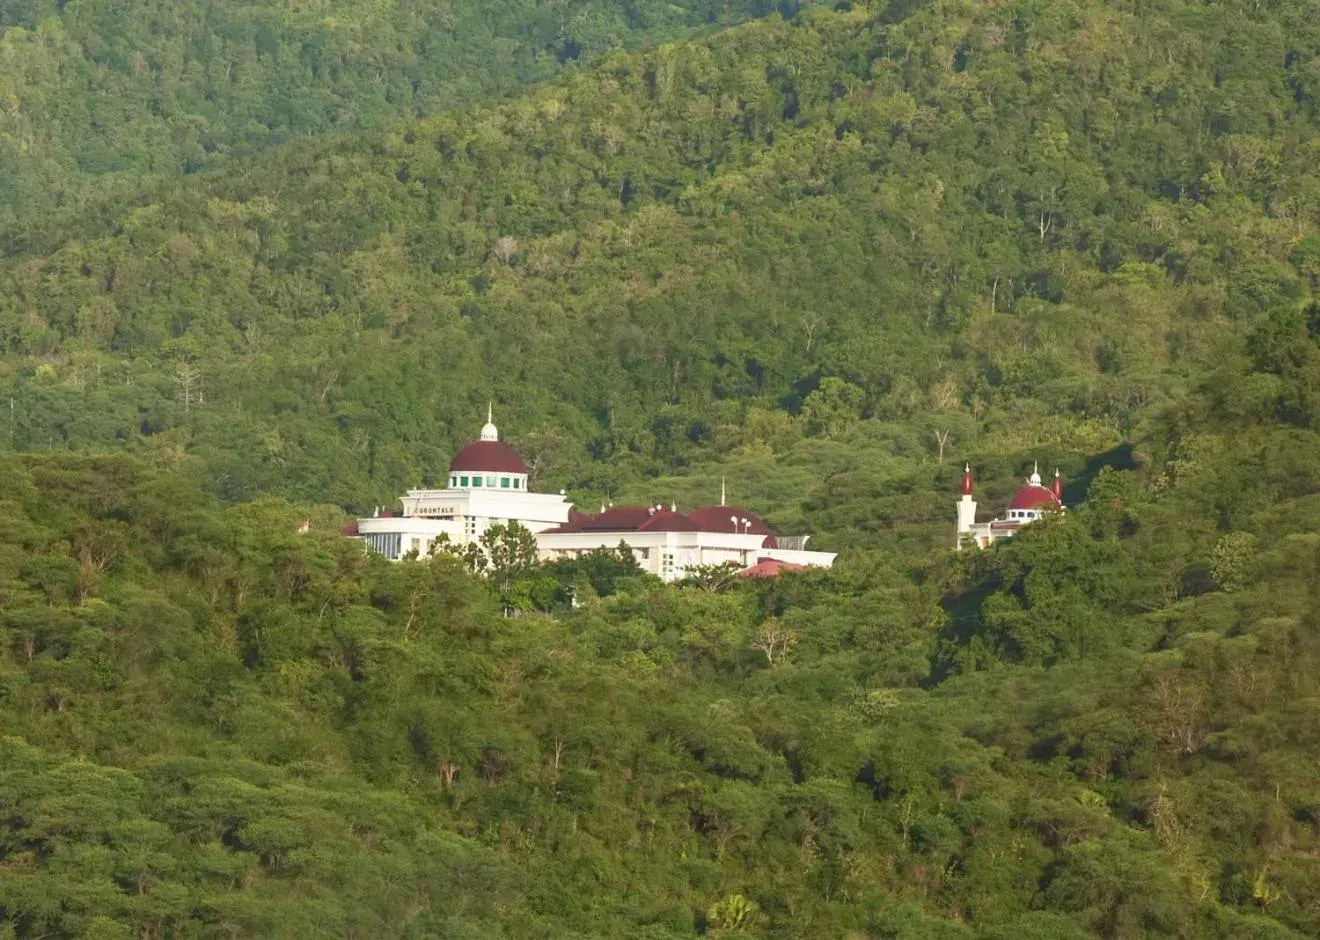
(101, 94)
(827, 258)
(217, 726)
(886, 230)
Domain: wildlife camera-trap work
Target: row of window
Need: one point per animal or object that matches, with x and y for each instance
(504, 483)
(1023, 514)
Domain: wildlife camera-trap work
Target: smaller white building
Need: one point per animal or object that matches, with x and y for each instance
(487, 485)
(1029, 503)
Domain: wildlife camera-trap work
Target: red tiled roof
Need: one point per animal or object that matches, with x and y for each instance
(493, 456)
(769, 568)
(629, 519)
(720, 519)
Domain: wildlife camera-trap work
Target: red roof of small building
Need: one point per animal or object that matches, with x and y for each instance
(720, 519)
(769, 568)
(1033, 496)
(488, 456)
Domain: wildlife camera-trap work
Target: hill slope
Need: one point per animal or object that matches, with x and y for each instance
(104, 95)
(1022, 223)
(789, 254)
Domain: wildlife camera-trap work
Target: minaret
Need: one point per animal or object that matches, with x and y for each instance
(1057, 487)
(966, 506)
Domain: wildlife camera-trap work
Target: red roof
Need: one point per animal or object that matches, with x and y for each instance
(492, 456)
(630, 519)
(351, 529)
(1033, 496)
(576, 520)
(720, 519)
(769, 568)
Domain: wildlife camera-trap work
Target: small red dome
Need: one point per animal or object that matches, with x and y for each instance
(1034, 496)
(492, 456)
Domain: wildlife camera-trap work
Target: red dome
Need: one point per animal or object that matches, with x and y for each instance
(1034, 496)
(488, 456)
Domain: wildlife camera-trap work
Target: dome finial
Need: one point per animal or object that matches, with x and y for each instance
(490, 432)
(1035, 474)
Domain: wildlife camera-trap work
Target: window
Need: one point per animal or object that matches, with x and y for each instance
(476, 481)
(666, 564)
(504, 483)
(453, 481)
(516, 481)
(490, 481)
(463, 481)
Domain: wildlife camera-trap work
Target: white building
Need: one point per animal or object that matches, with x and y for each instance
(666, 542)
(487, 485)
(1029, 503)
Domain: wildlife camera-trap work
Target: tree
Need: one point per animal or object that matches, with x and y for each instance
(774, 640)
(833, 408)
(712, 579)
(510, 553)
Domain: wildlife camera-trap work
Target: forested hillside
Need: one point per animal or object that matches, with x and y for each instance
(826, 258)
(215, 726)
(1018, 224)
(100, 95)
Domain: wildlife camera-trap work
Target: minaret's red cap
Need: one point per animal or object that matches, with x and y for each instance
(1057, 488)
(967, 480)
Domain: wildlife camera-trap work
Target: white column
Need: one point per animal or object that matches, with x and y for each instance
(966, 517)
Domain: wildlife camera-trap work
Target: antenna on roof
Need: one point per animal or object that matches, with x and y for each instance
(673, 505)
(721, 491)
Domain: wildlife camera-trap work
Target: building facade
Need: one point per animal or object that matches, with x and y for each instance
(668, 543)
(1029, 503)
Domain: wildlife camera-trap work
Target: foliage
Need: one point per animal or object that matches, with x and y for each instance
(806, 256)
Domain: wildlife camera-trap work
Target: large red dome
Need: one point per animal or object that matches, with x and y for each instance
(493, 456)
(1034, 496)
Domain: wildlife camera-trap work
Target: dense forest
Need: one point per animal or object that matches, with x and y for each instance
(102, 95)
(265, 265)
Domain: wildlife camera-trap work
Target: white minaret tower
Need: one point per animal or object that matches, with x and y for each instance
(966, 506)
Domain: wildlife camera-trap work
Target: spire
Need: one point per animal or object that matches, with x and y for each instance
(721, 491)
(490, 432)
(967, 480)
(1057, 488)
(1035, 475)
